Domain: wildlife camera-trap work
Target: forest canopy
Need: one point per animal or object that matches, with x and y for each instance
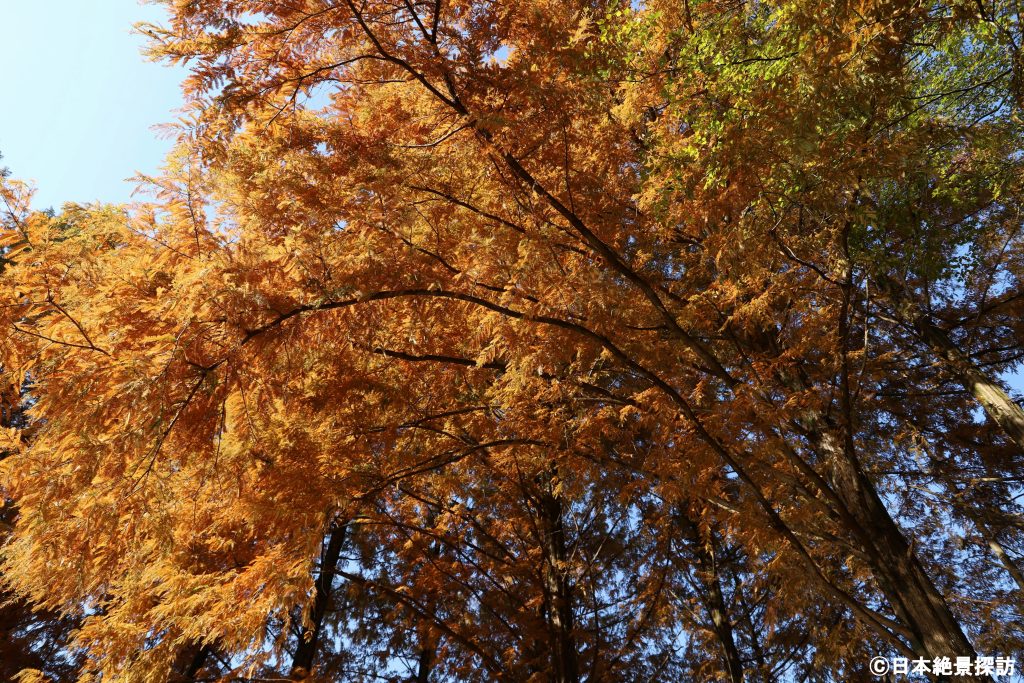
(530, 341)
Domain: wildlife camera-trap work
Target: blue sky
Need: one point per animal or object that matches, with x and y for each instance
(77, 99)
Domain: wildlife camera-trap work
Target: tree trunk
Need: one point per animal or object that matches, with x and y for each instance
(910, 591)
(309, 638)
(426, 640)
(564, 657)
(1004, 559)
(189, 662)
(705, 551)
(997, 404)
(916, 601)
(423, 664)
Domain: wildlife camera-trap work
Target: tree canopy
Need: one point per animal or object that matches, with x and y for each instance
(534, 340)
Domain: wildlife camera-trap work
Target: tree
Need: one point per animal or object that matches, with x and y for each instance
(561, 341)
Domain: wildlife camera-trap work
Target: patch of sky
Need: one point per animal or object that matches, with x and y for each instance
(501, 55)
(79, 102)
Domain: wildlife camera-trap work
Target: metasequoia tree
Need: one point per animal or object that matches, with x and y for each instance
(536, 341)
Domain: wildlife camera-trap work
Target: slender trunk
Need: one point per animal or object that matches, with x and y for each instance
(705, 551)
(997, 404)
(997, 549)
(914, 598)
(1008, 564)
(197, 663)
(189, 662)
(309, 638)
(910, 591)
(565, 664)
(426, 640)
(989, 537)
(423, 665)
(916, 601)
(760, 660)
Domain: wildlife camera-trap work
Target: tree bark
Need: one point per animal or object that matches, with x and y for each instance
(189, 662)
(1004, 559)
(705, 551)
(997, 404)
(914, 598)
(564, 656)
(309, 638)
(427, 642)
(423, 665)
